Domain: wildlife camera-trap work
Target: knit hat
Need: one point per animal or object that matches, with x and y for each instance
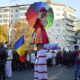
(43, 9)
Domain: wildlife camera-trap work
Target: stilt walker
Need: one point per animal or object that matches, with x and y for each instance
(40, 15)
(40, 38)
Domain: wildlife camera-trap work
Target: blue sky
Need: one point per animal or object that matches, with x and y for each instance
(73, 3)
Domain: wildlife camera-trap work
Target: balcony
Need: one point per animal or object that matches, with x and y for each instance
(69, 23)
(69, 28)
(70, 35)
(70, 38)
(70, 18)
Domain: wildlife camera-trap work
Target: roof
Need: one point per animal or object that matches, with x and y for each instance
(16, 5)
(56, 3)
(52, 3)
(72, 8)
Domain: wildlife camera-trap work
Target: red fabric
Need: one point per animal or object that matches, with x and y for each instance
(43, 9)
(40, 31)
(22, 58)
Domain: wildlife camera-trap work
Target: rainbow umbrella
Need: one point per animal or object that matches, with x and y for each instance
(33, 12)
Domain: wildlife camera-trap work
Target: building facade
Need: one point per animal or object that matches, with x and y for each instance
(77, 25)
(77, 36)
(61, 32)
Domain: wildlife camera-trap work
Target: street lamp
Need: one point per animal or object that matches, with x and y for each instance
(12, 20)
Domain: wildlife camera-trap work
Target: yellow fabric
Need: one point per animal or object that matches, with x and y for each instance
(2, 39)
(21, 50)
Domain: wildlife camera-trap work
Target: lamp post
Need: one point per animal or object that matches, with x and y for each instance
(9, 25)
(12, 20)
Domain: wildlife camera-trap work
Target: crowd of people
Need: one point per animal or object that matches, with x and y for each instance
(6, 57)
(53, 58)
(9, 60)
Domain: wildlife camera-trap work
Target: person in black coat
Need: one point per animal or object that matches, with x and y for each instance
(3, 59)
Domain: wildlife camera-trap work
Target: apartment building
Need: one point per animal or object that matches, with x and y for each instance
(62, 31)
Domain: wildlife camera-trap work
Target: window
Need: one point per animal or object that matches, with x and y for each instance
(5, 15)
(0, 10)
(22, 14)
(0, 16)
(52, 30)
(16, 15)
(0, 21)
(49, 32)
(6, 10)
(16, 10)
(23, 8)
(5, 20)
(57, 8)
(57, 25)
(56, 37)
(58, 30)
(63, 14)
(11, 15)
(58, 14)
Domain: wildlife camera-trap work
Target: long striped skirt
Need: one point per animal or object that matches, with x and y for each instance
(40, 71)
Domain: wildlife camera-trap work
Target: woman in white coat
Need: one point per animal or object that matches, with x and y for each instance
(54, 58)
(8, 67)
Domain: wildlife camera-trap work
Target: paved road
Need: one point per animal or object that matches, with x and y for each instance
(55, 73)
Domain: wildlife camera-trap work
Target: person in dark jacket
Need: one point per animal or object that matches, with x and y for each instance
(76, 53)
(59, 58)
(3, 58)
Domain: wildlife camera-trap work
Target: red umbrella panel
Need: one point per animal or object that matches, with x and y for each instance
(31, 16)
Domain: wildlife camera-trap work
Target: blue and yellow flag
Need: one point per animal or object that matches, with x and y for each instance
(20, 48)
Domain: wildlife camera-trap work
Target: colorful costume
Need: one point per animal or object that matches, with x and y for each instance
(40, 35)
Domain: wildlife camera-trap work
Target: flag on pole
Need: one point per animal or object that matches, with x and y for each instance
(20, 48)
